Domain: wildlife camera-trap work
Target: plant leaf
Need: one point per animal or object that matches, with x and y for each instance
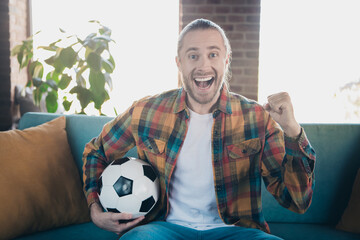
(36, 69)
(80, 80)
(37, 96)
(80, 63)
(80, 41)
(90, 37)
(58, 63)
(99, 97)
(52, 84)
(15, 50)
(96, 80)
(43, 88)
(50, 60)
(37, 82)
(39, 70)
(51, 101)
(88, 50)
(103, 37)
(108, 80)
(111, 59)
(66, 104)
(64, 81)
(48, 76)
(20, 57)
(97, 88)
(54, 76)
(107, 65)
(54, 43)
(29, 83)
(49, 48)
(94, 21)
(105, 31)
(26, 59)
(94, 61)
(116, 113)
(83, 95)
(68, 57)
(100, 47)
(90, 43)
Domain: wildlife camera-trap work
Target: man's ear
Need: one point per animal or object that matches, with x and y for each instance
(177, 60)
(227, 61)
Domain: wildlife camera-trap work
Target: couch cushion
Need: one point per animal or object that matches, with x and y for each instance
(337, 161)
(80, 130)
(85, 231)
(350, 219)
(301, 231)
(40, 184)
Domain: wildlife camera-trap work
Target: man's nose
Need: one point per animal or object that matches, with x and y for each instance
(204, 62)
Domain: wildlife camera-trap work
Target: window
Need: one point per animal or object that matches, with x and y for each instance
(145, 33)
(311, 49)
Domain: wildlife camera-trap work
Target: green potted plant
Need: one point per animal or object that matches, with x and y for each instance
(80, 68)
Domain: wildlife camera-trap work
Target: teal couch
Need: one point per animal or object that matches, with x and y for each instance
(338, 160)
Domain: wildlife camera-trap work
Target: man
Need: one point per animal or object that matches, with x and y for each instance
(211, 149)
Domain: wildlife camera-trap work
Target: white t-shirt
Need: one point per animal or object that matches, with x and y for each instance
(192, 194)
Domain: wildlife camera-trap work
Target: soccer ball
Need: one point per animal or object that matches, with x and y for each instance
(129, 185)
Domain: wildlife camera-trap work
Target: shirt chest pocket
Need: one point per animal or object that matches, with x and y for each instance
(154, 151)
(242, 155)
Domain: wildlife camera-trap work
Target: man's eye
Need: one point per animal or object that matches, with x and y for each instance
(212, 55)
(193, 57)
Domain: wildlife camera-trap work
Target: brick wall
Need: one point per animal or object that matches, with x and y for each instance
(5, 98)
(14, 29)
(19, 31)
(241, 21)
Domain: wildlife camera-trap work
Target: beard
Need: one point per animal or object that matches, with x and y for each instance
(207, 97)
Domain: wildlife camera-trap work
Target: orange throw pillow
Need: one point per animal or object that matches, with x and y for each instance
(40, 184)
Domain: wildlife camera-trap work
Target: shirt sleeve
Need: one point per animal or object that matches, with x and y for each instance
(113, 142)
(288, 168)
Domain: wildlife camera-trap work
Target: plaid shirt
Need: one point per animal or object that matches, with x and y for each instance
(247, 145)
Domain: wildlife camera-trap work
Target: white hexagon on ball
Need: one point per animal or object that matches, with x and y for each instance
(108, 197)
(109, 175)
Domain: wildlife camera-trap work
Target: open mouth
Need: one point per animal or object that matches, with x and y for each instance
(204, 82)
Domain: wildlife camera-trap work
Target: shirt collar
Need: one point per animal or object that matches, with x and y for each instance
(223, 103)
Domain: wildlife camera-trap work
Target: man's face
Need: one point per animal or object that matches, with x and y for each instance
(202, 62)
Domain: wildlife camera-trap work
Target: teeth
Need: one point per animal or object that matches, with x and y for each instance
(203, 79)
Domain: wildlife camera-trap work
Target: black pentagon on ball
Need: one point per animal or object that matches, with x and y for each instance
(123, 186)
(114, 210)
(147, 204)
(120, 161)
(149, 172)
